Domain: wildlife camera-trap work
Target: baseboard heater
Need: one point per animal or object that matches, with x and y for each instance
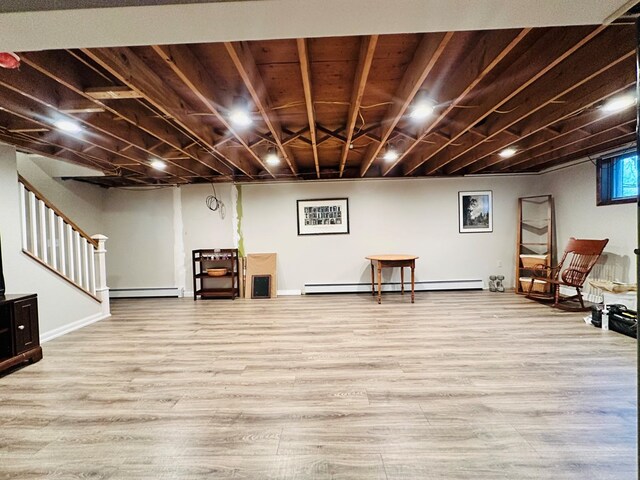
(311, 288)
(144, 292)
(589, 297)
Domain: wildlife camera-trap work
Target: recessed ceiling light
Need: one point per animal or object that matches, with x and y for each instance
(390, 155)
(421, 110)
(158, 164)
(619, 103)
(68, 126)
(508, 152)
(272, 158)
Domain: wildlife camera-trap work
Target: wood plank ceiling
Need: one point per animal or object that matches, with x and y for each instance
(327, 107)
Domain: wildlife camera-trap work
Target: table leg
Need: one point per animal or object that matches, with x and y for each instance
(413, 281)
(402, 280)
(379, 282)
(373, 285)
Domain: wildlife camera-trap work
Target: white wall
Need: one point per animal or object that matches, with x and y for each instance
(574, 191)
(386, 216)
(81, 202)
(59, 303)
(202, 227)
(139, 224)
(152, 232)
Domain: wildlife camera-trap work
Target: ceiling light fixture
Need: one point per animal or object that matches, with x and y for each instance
(422, 107)
(272, 158)
(158, 164)
(390, 155)
(239, 114)
(68, 126)
(421, 111)
(508, 152)
(618, 103)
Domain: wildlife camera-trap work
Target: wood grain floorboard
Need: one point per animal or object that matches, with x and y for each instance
(459, 385)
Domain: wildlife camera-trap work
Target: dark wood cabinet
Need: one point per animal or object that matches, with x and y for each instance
(226, 285)
(19, 331)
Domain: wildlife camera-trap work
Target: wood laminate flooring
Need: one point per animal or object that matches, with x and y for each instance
(459, 385)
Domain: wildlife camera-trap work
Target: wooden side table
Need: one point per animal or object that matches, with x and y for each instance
(385, 261)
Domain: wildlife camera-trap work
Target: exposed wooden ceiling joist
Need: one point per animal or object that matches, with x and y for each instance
(365, 59)
(38, 100)
(133, 72)
(613, 49)
(479, 61)
(574, 128)
(571, 146)
(549, 50)
(189, 69)
(595, 148)
(63, 69)
(328, 105)
(246, 65)
(114, 92)
(305, 70)
(610, 81)
(427, 54)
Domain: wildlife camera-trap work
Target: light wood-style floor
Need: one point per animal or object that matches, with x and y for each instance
(456, 386)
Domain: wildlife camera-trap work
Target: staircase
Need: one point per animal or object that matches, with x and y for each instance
(57, 243)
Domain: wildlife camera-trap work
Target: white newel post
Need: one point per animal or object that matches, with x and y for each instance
(102, 290)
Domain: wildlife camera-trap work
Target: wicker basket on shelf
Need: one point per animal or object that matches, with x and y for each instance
(216, 272)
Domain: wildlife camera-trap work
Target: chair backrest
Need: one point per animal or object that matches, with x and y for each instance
(581, 256)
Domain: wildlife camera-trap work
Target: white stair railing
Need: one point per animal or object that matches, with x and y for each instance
(50, 238)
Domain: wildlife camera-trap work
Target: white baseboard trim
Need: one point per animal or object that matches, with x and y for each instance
(280, 293)
(424, 286)
(145, 292)
(70, 327)
(289, 293)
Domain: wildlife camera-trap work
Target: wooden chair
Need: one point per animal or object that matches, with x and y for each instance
(574, 267)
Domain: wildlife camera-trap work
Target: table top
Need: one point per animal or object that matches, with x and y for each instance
(391, 257)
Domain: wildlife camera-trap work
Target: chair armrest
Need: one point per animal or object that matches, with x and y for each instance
(574, 277)
(545, 271)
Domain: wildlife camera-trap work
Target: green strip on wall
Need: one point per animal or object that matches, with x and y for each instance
(239, 213)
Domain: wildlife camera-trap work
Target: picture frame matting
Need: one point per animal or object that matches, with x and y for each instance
(323, 216)
(475, 211)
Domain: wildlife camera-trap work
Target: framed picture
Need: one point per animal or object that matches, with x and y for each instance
(475, 212)
(325, 216)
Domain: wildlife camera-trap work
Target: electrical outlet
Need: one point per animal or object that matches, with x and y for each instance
(499, 263)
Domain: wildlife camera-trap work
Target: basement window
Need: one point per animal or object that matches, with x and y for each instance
(618, 179)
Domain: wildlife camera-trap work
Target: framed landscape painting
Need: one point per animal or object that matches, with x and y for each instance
(475, 212)
(325, 216)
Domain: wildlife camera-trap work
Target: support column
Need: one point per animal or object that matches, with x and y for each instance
(102, 290)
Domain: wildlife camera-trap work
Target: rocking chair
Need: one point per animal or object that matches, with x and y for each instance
(580, 256)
